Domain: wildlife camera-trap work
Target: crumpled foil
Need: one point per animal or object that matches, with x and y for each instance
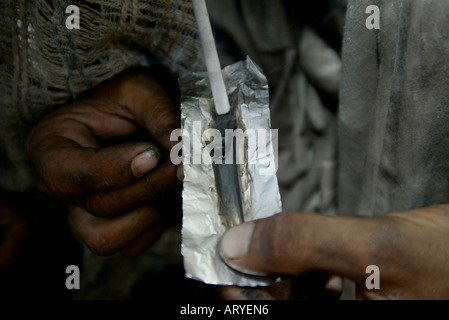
(203, 223)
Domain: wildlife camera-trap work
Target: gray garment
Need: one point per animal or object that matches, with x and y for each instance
(394, 108)
(299, 64)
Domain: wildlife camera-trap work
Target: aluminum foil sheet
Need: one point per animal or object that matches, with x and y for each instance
(250, 146)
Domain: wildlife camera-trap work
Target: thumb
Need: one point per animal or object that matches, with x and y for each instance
(74, 171)
(292, 243)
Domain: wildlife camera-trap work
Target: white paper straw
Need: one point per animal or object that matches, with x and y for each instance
(211, 57)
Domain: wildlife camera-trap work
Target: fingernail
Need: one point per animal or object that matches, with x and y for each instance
(180, 173)
(144, 162)
(235, 245)
(236, 242)
(334, 284)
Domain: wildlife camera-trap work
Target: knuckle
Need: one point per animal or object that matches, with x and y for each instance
(47, 182)
(165, 114)
(161, 182)
(55, 174)
(100, 243)
(97, 207)
(95, 233)
(153, 188)
(283, 238)
(47, 167)
(110, 205)
(100, 250)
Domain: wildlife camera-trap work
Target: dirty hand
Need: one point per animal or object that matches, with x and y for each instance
(409, 249)
(101, 156)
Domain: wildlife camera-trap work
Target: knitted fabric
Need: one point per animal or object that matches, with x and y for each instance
(44, 64)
